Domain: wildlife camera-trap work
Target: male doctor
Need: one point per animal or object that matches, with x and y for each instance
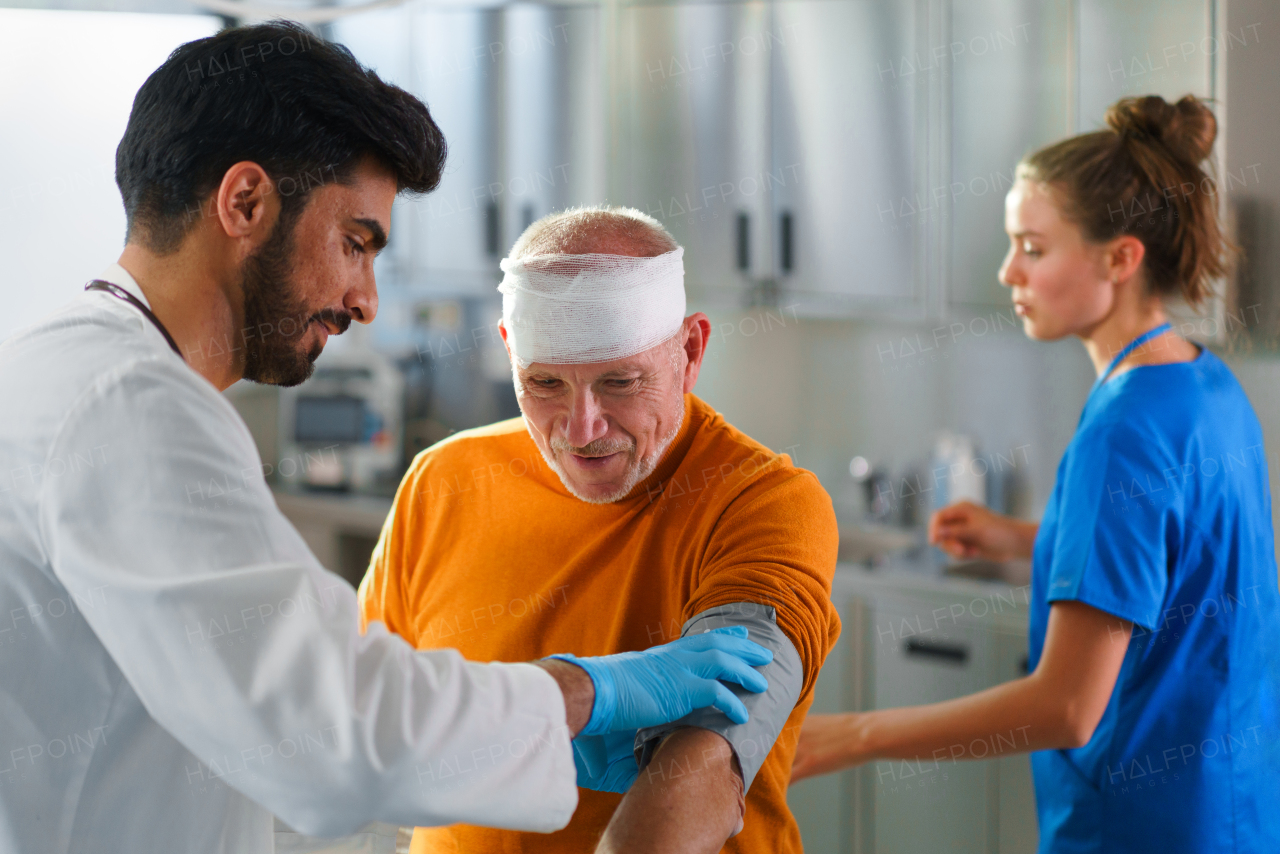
(175, 671)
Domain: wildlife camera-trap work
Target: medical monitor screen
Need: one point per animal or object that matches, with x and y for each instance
(339, 418)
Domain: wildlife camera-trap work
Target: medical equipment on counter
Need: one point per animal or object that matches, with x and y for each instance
(958, 473)
(341, 430)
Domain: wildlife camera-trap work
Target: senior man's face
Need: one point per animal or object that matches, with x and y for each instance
(603, 427)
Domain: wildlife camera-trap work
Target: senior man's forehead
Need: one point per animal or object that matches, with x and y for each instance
(630, 366)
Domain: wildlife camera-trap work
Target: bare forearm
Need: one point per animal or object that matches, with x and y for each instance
(1026, 533)
(1014, 717)
(1057, 706)
(688, 800)
(1009, 718)
(578, 690)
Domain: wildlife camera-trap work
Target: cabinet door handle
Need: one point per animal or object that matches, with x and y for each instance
(744, 242)
(787, 238)
(957, 653)
(492, 230)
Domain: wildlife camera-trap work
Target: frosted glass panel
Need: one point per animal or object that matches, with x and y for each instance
(67, 81)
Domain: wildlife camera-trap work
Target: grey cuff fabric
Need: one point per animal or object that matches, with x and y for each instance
(752, 741)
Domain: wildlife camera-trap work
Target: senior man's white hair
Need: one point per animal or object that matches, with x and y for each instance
(595, 229)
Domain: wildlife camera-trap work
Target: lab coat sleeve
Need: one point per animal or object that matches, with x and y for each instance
(249, 653)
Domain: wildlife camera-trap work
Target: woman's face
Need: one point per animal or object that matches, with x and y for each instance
(1059, 281)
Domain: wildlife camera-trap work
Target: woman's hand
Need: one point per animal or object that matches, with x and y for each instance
(827, 743)
(968, 530)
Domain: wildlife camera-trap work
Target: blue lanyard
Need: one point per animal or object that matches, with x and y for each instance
(1129, 348)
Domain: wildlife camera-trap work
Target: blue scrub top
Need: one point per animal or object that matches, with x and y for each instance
(1161, 514)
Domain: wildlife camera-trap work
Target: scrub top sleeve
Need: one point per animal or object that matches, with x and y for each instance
(1117, 511)
(241, 645)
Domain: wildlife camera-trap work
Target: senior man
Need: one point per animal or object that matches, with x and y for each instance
(619, 512)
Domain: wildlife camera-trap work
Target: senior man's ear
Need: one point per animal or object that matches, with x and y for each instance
(697, 328)
(506, 342)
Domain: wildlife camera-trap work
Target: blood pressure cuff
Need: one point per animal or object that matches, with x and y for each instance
(769, 710)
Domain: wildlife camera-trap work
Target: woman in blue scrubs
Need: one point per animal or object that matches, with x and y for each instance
(1153, 704)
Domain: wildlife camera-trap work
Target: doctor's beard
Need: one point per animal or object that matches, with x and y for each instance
(276, 319)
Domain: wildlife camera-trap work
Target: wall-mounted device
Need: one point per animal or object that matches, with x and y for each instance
(341, 429)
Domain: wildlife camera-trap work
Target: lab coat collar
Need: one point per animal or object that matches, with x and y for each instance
(117, 275)
(120, 277)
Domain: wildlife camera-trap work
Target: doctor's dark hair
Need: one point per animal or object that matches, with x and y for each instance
(1145, 176)
(302, 108)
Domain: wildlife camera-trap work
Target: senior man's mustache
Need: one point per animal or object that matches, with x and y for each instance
(598, 448)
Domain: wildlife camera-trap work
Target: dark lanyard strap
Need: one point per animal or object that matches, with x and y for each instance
(121, 293)
(1129, 348)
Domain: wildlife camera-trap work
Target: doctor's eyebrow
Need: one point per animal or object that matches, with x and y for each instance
(379, 239)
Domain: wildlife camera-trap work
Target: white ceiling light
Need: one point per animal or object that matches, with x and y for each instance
(302, 14)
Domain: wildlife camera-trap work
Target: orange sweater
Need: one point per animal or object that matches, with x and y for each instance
(485, 551)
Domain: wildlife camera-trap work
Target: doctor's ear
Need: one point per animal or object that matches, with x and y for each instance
(245, 202)
(1123, 257)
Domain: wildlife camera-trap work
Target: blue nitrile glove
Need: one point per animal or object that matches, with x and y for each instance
(606, 763)
(665, 683)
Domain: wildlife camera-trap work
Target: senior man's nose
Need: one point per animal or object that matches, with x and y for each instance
(587, 421)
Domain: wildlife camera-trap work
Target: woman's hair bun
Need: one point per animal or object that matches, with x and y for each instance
(1187, 128)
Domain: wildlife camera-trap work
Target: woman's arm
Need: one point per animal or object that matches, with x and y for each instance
(1057, 706)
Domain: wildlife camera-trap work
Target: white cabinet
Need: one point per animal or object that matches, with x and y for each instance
(851, 157)
(921, 807)
(1015, 797)
(837, 157)
(554, 113)
(1168, 48)
(1029, 72)
(455, 237)
(692, 85)
(847, 130)
(518, 92)
(764, 138)
(909, 640)
(1008, 92)
(831, 810)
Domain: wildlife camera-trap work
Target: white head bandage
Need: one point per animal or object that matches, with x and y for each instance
(569, 309)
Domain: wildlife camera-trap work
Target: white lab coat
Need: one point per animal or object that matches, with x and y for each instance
(176, 667)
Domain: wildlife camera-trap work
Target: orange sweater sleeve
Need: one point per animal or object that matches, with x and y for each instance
(382, 594)
(776, 544)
